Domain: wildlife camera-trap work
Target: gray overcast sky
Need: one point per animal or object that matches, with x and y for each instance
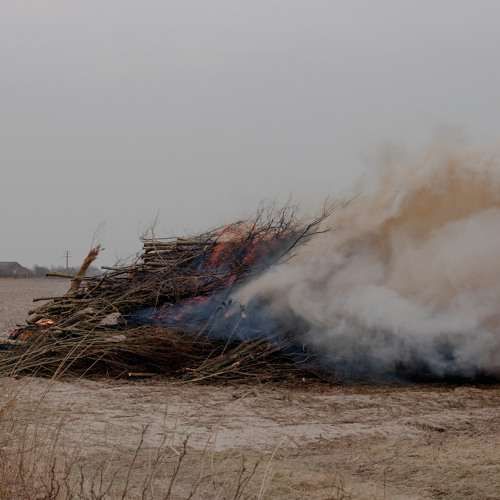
(115, 110)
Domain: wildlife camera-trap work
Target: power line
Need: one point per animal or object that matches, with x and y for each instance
(67, 255)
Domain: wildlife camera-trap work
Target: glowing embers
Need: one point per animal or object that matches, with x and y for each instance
(21, 334)
(24, 332)
(232, 309)
(45, 322)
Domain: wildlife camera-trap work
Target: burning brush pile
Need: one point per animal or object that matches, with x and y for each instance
(172, 312)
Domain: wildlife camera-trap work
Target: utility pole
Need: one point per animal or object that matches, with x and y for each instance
(67, 255)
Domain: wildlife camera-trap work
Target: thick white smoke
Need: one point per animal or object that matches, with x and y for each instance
(409, 277)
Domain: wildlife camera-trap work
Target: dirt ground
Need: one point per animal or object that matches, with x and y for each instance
(314, 441)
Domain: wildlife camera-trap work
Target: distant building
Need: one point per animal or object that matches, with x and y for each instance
(14, 270)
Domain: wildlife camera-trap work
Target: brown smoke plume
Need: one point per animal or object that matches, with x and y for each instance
(409, 279)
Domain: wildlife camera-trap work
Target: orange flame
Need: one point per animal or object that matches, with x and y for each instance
(45, 322)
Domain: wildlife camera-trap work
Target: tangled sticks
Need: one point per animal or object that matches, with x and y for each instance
(167, 312)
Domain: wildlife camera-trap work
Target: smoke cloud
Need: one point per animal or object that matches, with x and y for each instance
(408, 279)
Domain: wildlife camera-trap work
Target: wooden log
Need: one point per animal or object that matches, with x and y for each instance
(11, 342)
(56, 307)
(178, 242)
(163, 258)
(155, 264)
(159, 244)
(162, 250)
(38, 299)
(60, 275)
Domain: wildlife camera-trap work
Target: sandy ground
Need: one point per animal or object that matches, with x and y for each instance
(16, 299)
(320, 441)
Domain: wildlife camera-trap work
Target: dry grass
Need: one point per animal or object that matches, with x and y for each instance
(425, 468)
(437, 442)
(40, 457)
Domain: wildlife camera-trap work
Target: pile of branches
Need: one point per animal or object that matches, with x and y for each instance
(155, 316)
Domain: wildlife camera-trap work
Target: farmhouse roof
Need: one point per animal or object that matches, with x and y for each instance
(14, 268)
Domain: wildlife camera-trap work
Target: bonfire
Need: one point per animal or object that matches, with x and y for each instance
(173, 311)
